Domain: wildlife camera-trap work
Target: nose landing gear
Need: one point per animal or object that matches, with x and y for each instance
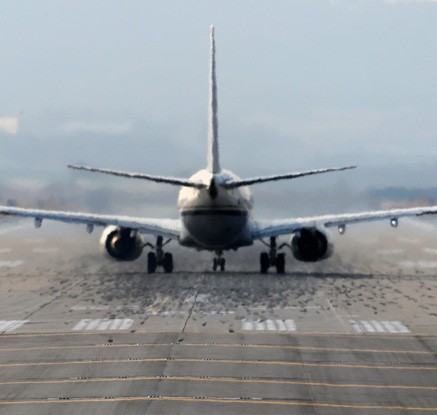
(159, 258)
(272, 258)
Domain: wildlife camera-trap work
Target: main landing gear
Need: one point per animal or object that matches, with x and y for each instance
(218, 261)
(159, 257)
(272, 258)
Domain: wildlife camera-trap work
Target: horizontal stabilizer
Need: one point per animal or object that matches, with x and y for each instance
(262, 179)
(158, 179)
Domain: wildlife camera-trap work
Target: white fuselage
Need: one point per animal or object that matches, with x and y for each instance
(216, 221)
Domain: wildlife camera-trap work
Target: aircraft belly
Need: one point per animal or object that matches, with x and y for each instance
(215, 228)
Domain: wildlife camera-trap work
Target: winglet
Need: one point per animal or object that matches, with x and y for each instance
(213, 150)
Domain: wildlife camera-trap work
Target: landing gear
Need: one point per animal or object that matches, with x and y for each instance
(218, 262)
(159, 258)
(272, 258)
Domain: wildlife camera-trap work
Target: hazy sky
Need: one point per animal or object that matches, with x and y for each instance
(302, 84)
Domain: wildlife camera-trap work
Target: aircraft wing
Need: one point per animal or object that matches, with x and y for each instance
(169, 228)
(264, 229)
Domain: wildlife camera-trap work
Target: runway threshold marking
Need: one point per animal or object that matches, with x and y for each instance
(295, 334)
(219, 345)
(269, 325)
(216, 380)
(374, 326)
(104, 324)
(245, 401)
(7, 326)
(221, 361)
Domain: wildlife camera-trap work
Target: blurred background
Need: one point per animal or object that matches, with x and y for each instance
(301, 84)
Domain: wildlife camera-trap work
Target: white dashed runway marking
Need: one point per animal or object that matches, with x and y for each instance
(269, 325)
(104, 324)
(372, 326)
(11, 264)
(6, 326)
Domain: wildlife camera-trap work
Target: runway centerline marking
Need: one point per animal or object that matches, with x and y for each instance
(219, 345)
(245, 401)
(214, 379)
(221, 361)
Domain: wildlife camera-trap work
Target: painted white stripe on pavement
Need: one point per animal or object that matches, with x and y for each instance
(378, 326)
(389, 327)
(290, 325)
(11, 264)
(281, 325)
(104, 324)
(373, 326)
(7, 326)
(400, 327)
(247, 325)
(355, 326)
(367, 326)
(269, 325)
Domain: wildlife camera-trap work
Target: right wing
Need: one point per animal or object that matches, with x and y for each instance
(278, 227)
(169, 228)
(176, 181)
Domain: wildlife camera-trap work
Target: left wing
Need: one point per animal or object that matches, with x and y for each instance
(264, 229)
(169, 228)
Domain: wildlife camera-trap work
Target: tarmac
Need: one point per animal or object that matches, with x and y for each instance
(82, 334)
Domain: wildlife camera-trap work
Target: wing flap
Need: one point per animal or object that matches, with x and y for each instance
(164, 227)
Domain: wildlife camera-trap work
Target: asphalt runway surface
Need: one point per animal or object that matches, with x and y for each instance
(82, 334)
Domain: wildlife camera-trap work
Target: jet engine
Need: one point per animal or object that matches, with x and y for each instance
(310, 245)
(122, 244)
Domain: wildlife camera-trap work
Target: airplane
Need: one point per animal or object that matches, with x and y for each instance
(216, 214)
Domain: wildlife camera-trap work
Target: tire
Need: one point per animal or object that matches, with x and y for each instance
(222, 264)
(167, 263)
(280, 263)
(264, 262)
(151, 262)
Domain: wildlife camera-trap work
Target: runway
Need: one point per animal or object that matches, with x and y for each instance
(81, 334)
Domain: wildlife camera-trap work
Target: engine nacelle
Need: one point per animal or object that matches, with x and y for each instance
(310, 245)
(121, 243)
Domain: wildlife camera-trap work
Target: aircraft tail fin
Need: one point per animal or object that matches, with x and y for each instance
(213, 150)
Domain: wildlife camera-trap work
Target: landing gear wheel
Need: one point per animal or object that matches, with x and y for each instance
(264, 262)
(222, 264)
(280, 264)
(151, 262)
(167, 263)
(218, 261)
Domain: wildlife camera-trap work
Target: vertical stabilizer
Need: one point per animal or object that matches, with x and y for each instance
(213, 150)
